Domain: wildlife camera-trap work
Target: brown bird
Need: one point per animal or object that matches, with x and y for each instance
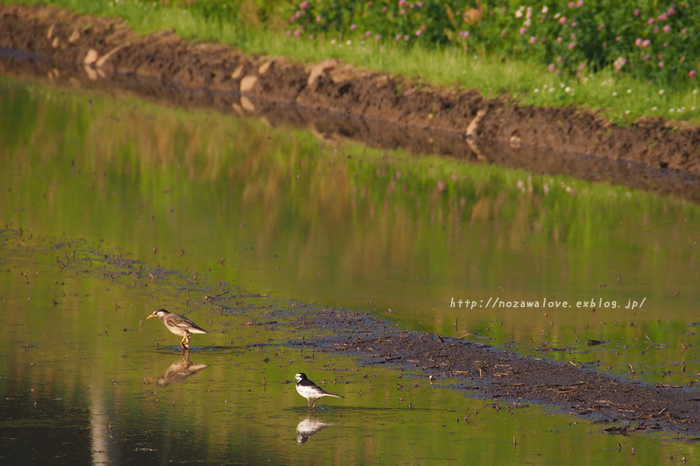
(178, 325)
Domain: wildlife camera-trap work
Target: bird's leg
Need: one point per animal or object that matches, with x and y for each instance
(185, 342)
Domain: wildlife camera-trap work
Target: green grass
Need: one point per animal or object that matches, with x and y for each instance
(621, 98)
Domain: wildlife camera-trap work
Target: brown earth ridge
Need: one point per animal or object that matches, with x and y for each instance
(337, 99)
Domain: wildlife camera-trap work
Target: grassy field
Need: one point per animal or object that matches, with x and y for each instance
(619, 96)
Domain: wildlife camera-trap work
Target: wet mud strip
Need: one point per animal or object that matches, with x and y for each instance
(501, 374)
(337, 102)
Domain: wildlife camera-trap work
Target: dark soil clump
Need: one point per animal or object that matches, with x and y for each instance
(495, 373)
(337, 100)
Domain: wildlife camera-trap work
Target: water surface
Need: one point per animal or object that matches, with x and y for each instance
(202, 203)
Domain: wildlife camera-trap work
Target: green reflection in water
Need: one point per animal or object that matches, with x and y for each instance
(173, 190)
(401, 235)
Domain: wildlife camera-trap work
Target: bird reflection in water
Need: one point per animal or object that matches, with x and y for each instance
(308, 427)
(179, 370)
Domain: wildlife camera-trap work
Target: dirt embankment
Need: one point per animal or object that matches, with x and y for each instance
(335, 99)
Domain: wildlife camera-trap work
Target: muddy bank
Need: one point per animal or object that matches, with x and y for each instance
(337, 101)
(334, 128)
(501, 374)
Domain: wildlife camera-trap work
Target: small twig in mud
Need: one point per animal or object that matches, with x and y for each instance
(647, 337)
(440, 338)
(222, 262)
(632, 369)
(575, 365)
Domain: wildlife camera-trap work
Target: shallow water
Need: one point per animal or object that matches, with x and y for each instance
(204, 203)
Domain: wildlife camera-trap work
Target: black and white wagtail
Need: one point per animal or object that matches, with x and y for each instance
(310, 390)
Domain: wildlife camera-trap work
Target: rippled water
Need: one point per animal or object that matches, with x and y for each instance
(203, 203)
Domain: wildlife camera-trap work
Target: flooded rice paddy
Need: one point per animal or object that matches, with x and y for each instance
(114, 207)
